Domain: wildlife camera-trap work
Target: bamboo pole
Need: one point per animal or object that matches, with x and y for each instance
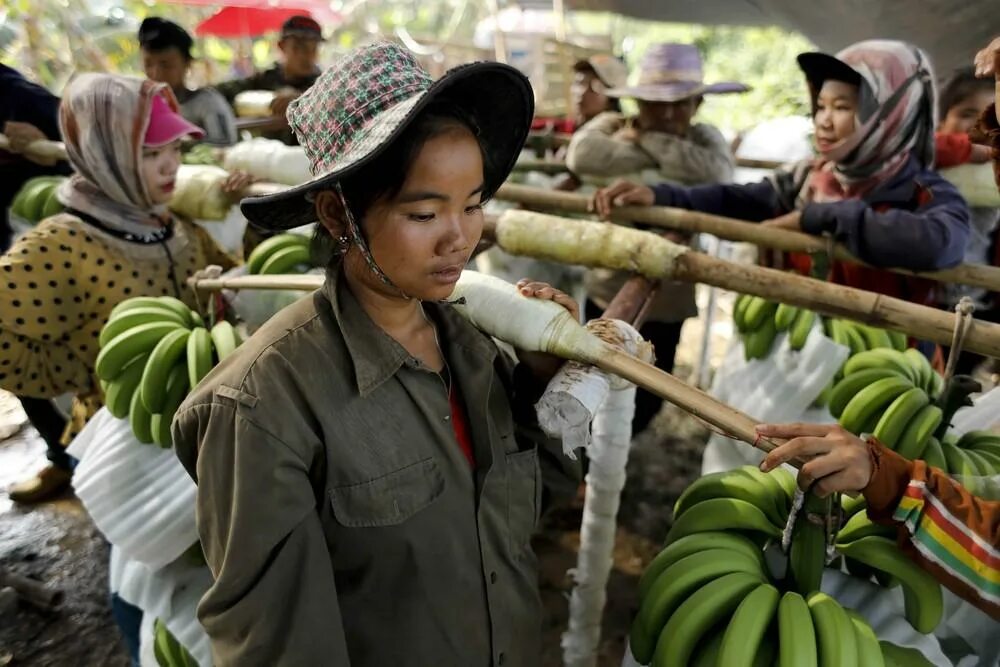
(43, 148)
(733, 230)
(544, 166)
(606, 357)
(588, 243)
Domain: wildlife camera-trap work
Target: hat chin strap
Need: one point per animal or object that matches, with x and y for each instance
(354, 233)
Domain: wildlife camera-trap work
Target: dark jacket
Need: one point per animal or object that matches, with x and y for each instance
(915, 221)
(269, 79)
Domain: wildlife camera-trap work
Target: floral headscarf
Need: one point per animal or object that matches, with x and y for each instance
(103, 119)
(896, 118)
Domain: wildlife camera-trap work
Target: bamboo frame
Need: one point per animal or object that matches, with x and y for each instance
(827, 298)
(727, 419)
(733, 230)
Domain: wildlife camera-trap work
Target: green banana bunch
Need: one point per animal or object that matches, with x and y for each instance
(799, 331)
(864, 410)
(836, 642)
(153, 351)
(283, 253)
(168, 651)
(745, 633)
(796, 632)
(923, 602)
(747, 483)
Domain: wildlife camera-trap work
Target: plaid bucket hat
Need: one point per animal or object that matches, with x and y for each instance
(358, 107)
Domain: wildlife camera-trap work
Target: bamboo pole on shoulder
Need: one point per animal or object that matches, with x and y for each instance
(596, 244)
(733, 230)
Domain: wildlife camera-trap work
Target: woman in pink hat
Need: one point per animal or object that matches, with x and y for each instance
(115, 240)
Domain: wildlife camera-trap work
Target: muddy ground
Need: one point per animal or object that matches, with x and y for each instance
(56, 543)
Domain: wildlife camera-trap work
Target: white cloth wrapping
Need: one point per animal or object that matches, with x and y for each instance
(574, 397)
(170, 594)
(779, 388)
(139, 496)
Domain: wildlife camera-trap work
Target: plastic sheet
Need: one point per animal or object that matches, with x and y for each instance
(139, 496)
(780, 388)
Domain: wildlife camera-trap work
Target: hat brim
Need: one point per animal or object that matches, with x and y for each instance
(675, 92)
(498, 97)
(819, 67)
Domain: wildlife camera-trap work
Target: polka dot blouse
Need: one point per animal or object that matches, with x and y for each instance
(59, 283)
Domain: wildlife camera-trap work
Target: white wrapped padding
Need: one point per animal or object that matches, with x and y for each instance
(139, 496)
(269, 160)
(253, 103)
(198, 192)
(497, 308)
(777, 389)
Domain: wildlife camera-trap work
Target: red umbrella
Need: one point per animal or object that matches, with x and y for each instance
(231, 22)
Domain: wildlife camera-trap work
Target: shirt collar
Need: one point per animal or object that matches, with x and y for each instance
(376, 355)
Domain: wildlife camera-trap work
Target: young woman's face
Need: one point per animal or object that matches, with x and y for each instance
(963, 116)
(424, 236)
(159, 170)
(836, 110)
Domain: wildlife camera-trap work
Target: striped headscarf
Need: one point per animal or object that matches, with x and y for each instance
(103, 119)
(895, 118)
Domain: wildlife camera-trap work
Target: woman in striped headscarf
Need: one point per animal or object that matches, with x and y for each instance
(871, 186)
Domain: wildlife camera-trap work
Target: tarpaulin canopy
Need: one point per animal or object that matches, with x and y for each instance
(951, 31)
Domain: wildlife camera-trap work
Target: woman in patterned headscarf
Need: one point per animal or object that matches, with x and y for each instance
(115, 240)
(871, 186)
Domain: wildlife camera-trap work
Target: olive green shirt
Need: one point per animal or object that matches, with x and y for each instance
(338, 514)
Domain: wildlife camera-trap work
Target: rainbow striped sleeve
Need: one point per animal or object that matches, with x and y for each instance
(943, 539)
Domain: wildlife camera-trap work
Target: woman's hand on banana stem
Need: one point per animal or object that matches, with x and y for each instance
(835, 460)
(542, 365)
(620, 193)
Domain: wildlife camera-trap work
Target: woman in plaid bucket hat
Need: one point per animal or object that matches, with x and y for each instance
(369, 469)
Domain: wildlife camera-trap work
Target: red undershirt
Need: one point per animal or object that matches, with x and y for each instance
(460, 424)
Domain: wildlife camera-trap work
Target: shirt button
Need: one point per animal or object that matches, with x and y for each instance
(493, 577)
(447, 417)
(500, 659)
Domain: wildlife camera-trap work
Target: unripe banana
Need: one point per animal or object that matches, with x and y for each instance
(983, 463)
(855, 340)
(837, 646)
(118, 394)
(285, 259)
(722, 514)
(881, 358)
(915, 436)
(739, 312)
(933, 455)
(757, 343)
(140, 419)
(874, 337)
(167, 353)
(898, 339)
(746, 629)
(175, 306)
(730, 484)
(677, 583)
(849, 386)
(199, 355)
(134, 317)
(693, 544)
(898, 656)
(870, 401)
(796, 634)
(709, 605)
(898, 415)
(869, 652)
(176, 390)
(225, 339)
(758, 311)
(922, 367)
(124, 348)
(859, 526)
(959, 463)
(267, 248)
(801, 328)
(983, 440)
(923, 602)
(784, 316)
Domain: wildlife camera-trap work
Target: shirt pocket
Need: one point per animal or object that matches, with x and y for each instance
(523, 498)
(390, 499)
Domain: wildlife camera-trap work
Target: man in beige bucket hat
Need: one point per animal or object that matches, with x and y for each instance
(661, 143)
